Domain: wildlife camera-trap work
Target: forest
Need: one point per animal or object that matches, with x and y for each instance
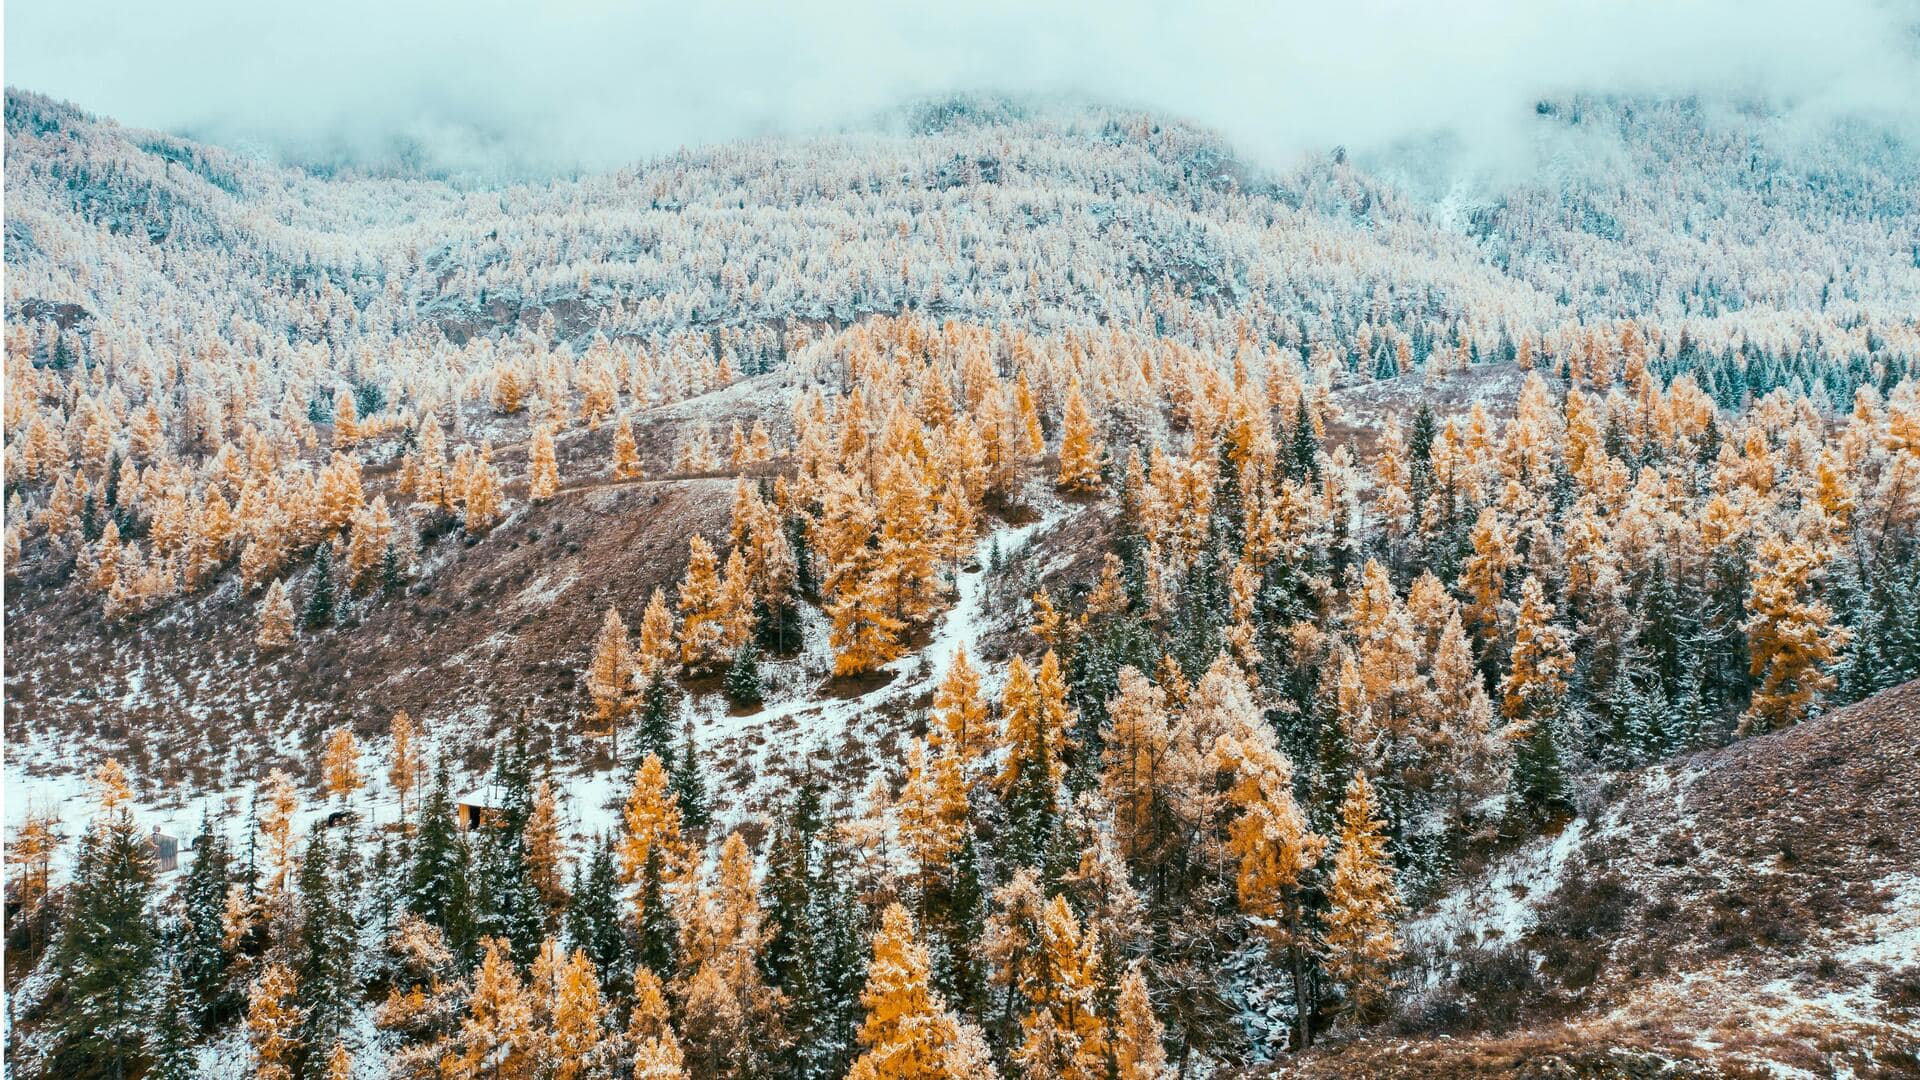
(1030, 594)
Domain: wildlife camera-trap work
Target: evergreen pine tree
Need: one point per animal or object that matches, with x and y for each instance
(1539, 774)
(329, 945)
(392, 573)
(688, 786)
(105, 949)
(593, 919)
(659, 709)
(170, 1029)
(319, 610)
(743, 677)
(508, 905)
(438, 886)
(203, 961)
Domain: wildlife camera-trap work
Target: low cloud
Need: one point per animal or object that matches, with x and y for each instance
(517, 88)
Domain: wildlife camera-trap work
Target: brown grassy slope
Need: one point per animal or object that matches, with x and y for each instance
(1749, 907)
(504, 622)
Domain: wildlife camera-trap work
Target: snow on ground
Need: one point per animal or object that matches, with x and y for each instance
(1501, 906)
(799, 689)
(40, 778)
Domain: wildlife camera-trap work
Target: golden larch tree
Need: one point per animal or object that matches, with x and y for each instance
(546, 849)
(1063, 1033)
(656, 1049)
(1791, 635)
(340, 765)
(543, 467)
(959, 724)
(1540, 659)
(610, 675)
(496, 1037)
(275, 629)
(404, 765)
(1138, 1050)
(657, 651)
(274, 1020)
(626, 451)
(1362, 903)
(1081, 455)
(909, 1033)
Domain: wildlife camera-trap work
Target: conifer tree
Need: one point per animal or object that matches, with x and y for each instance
(1540, 659)
(688, 784)
(403, 762)
(959, 725)
(319, 610)
(1028, 784)
(273, 1023)
(1361, 901)
(593, 917)
(169, 1042)
(275, 618)
(543, 470)
(909, 1034)
(340, 765)
(1791, 635)
(653, 858)
(276, 828)
(656, 652)
(1064, 1034)
(107, 944)
(202, 961)
(743, 677)
(329, 937)
(546, 851)
(1138, 1052)
(438, 887)
(371, 543)
(656, 1049)
(496, 1037)
(346, 426)
(659, 716)
(610, 675)
(1137, 742)
(1276, 850)
(578, 1016)
(703, 621)
(1081, 458)
(508, 904)
(626, 451)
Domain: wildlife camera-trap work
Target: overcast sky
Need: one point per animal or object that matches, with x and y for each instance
(561, 84)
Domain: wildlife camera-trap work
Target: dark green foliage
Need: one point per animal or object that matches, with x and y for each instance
(594, 922)
(202, 961)
(656, 942)
(743, 677)
(392, 573)
(659, 708)
(506, 902)
(1539, 774)
(319, 610)
(688, 786)
(106, 947)
(170, 1029)
(368, 398)
(805, 581)
(328, 944)
(1303, 449)
(438, 889)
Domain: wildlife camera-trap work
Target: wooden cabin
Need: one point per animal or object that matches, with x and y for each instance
(474, 810)
(166, 850)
